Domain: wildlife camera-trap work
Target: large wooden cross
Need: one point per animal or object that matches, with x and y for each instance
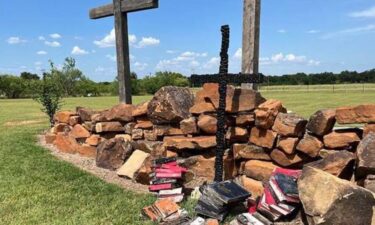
(223, 78)
(250, 39)
(120, 9)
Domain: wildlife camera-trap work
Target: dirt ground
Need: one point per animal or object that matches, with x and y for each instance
(89, 165)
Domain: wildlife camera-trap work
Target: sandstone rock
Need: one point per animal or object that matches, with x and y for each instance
(339, 164)
(137, 134)
(86, 150)
(129, 127)
(202, 168)
(287, 144)
(263, 138)
(150, 135)
(368, 129)
(237, 135)
(357, 114)
(66, 143)
(142, 176)
(109, 127)
(211, 222)
(140, 109)
(189, 126)
(61, 128)
(336, 139)
(285, 160)
(149, 146)
(167, 130)
(310, 145)
(63, 116)
(207, 124)
(370, 183)
(238, 100)
(73, 120)
(253, 186)
(111, 154)
(170, 105)
(133, 164)
(266, 113)
(121, 112)
(80, 132)
(324, 153)
(250, 151)
(259, 170)
(244, 120)
(49, 138)
(330, 200)
(85, 113)
(202, 107)
(290, 125)
(193, 143)
(366, 156)
(90, 126)
(93, 140)
(143, 124)
(322, 122)
(125, 137)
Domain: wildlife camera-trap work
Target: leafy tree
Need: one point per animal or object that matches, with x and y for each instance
(12, 86)
(29, 76)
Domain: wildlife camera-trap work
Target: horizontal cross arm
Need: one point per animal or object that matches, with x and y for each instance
(230, 78)
(126, 7)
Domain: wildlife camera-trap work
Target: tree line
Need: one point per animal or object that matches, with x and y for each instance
(69, 81)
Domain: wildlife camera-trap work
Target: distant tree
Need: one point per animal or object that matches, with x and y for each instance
(12, 86)
(29, 76)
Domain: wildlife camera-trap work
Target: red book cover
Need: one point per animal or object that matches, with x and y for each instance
(161, 170)
(176, 169)
(158, 187)
(168, 175)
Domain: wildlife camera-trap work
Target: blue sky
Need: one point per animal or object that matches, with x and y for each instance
(184, 36)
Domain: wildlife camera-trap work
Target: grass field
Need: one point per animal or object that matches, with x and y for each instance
(36, 188)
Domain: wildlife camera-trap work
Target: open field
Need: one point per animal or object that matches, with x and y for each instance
(36, 188)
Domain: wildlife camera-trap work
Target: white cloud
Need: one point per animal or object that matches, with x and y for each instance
(148, 41)
(194, 63)
(288, 58)
(350, 31)
(367, 13)
(15, 40)
(55, 36)
(282, 31)
(41, 38)
(38, 63)
(238, 54)
(41, 53)
(213, 62)
(78, 51)
(313, 31)
(110, 40)
(140, 66)
(54, 44)
(111, 57)
(170, 51)
(313, 63)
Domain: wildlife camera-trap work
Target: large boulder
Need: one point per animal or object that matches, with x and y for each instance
(366, 156)
(263, 138)
(330, 200)
(111, 154)
(121, 112)
(238, 100)
(357, 114)
(63, 116)
(322, 122)
(207, 124)
(310, 145)
(287, 144)
(170, 105)
(190, 143)
(258, 170)
(85, 113)
(289, 125)
(286, 160)
(189, 126)
(339, 163)
(255, 187)
(369, 128)
(140, 109)
(80, 132)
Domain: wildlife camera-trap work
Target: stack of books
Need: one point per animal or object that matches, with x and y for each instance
(166, 178)
(217, 198)
(163, 210)
(280, 198)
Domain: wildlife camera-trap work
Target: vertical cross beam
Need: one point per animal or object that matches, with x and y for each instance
(220, 134)
(250, 39)
(122, 48)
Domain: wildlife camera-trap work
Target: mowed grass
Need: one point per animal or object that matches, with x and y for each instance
(36, 188)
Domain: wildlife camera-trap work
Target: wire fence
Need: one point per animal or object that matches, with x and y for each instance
(334, 88)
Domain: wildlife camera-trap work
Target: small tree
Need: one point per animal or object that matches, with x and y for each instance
(50, 97)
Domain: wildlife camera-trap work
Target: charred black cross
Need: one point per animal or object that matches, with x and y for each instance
(223, 78)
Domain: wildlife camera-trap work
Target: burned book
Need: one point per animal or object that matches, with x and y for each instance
(163, 181)
(201, 210)
(229, 192)
(159, 162)
(287, 184)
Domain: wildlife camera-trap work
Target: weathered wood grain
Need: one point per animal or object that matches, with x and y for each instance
(126, 7)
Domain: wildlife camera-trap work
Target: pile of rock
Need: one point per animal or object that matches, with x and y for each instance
(261, 135)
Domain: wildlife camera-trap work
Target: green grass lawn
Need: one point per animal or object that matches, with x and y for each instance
(36, 188)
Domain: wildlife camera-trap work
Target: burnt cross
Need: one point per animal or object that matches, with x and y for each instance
(223, 78)
(120, 9)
